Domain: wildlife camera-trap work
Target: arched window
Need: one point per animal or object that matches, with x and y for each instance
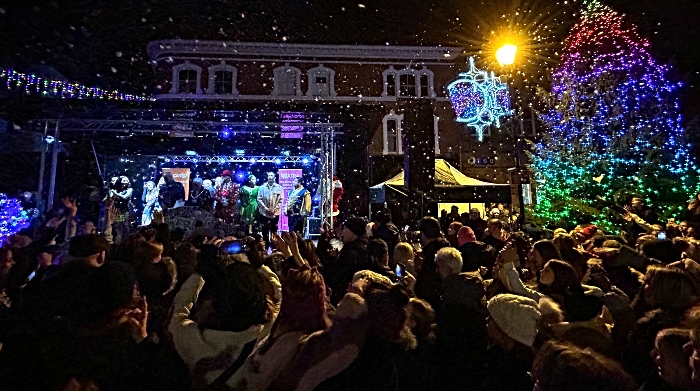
(186, 79)
(407, 83)
(425, 86)
(222, 79)
(321, 82)
(389, 77)
(287, 81)
(391, 133)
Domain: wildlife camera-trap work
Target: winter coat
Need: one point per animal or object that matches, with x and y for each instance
(218, 348)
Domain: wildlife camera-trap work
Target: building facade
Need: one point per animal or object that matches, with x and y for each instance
(341, 78)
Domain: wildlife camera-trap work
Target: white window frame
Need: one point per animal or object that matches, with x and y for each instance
(387, 72)
(416, 73)
(279, 70)
(186, 66)
(385, 133)
(222, 66)
(320, 70)
(431, 83)
(436, 119)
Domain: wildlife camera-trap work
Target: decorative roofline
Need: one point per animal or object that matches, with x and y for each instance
(158, 50)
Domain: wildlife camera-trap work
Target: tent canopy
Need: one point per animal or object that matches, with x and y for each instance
(451, 186)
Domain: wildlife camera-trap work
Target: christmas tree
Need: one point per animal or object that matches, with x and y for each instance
(614, 128)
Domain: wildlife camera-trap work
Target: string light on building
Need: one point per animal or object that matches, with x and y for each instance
(479, 99)
(33, 84)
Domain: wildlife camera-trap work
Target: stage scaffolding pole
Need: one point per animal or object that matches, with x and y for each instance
(54, 166)
(42, 166)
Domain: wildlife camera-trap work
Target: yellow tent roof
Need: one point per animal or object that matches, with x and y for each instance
(445, 175)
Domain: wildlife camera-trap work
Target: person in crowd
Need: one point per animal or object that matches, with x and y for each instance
(386, 230)
(269, 206)
(476, 223)
(150, 202)
(639, 217)
(432, 240)
(672, 361)
(494, 235)
(567, 367)
(352, 257)
(452, 231)
(512, 325)
(378, 258)
(663, 300)
(404, 255)
(200, 196)
(171, 194)
(232, 311)
(461, 321)
(249, 203)
(298, 206)
(475, 254)
(147, 253)
(227, 196)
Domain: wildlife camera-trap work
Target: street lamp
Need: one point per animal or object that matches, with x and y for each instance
(505, 55)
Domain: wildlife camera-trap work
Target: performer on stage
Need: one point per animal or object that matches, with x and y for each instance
(200, 196)
(298, 207)
(249, 203)
(120, 199)
(337, 195)
(269, 206)
(150, 202)
(226, 197)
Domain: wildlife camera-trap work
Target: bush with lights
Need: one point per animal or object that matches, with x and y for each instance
(614, 128)
(13, 218)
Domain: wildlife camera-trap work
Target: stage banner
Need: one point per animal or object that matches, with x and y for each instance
(181, 175)
(286, 178)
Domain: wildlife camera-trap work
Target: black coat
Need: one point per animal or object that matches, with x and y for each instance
(338, 271)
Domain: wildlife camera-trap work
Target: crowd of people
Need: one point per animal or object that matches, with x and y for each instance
(470, 304)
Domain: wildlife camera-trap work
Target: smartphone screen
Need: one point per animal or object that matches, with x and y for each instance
(232, 247)
(400, 270)
(661, 236)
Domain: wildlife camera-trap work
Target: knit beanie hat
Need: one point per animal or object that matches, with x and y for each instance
(516, 316)
(465, 235)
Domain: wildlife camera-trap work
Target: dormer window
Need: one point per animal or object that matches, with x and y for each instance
(222, 79)
(186, 79)
(408, 82)
(287, 81)
(321, 82)
(391, 134)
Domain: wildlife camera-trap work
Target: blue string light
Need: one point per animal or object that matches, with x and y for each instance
(479, 99)
(13, 218)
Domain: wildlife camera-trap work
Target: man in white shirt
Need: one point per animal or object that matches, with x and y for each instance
(269, 206)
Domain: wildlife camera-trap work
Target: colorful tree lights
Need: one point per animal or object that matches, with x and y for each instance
(479, 99)
(61, 89)
(13, 217)
(615, 127)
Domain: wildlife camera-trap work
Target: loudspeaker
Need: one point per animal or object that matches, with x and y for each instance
(313, 225)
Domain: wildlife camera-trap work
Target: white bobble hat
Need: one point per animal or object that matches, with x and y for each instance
(516, 316)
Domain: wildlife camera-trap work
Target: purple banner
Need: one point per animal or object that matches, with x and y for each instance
(286, 178)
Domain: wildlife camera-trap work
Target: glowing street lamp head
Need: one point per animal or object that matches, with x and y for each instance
(506, 54)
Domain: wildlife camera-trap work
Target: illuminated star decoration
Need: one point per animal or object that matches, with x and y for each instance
(13, 217)
(479, 99)
(614, 128)
(61, 89)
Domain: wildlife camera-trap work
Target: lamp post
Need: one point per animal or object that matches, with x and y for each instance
(505, 55)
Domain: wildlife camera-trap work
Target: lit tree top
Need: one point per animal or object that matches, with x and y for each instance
(613, 117)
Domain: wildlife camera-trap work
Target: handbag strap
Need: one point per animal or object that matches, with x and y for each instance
(235, 366)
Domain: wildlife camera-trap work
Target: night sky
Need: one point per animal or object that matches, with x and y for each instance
(103, 42)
